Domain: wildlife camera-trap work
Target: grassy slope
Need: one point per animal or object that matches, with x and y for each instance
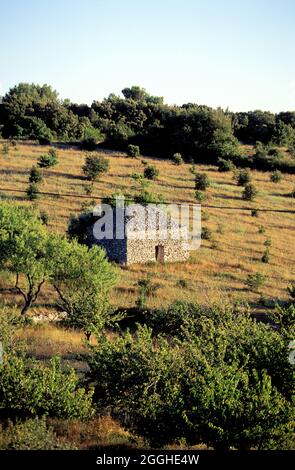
(212, 274)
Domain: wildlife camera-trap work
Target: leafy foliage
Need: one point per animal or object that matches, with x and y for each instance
(202, 181)
(28, 388)
(226, 381)
(133, 151)
(83, 278)
(95, 166)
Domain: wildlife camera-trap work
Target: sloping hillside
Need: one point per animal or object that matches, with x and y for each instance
(218, 269)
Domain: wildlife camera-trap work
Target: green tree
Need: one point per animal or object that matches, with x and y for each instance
(48, 160)
(30, 388)
(83, 279)
(177, 159)
(95, 166)
(35, 175)
(237, 394)
(32, 191)
(255, 281)
(250, 192)
(243, 177)
(151, 172)
(202, 181)
(133, 151)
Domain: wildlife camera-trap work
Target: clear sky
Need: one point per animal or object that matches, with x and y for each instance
(229, 53)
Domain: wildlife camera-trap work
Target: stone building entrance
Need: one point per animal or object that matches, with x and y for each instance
(159, 253)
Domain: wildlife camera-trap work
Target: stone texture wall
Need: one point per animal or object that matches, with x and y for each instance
(143, 251)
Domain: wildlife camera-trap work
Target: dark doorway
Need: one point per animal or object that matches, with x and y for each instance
(159, 252)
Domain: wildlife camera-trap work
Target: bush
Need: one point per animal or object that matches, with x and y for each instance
(83, 279)
(147, 197)
(200, 196)
(255, 212)
(35, 175)
(177, 159)
(267, 242)
(255, 281)
(91, 137)
(243, 177)
(225, 165)
(237, 394)
(275, 176)
(202, 181)
(95, 166)
(261, 230)
(151, 172)
(265, 257)
(33, 192)
(32, 434)
(29, 388)
(206, 234)
(133, 151)
(44, 217)
(147, 288)
(250, 192)
(48, 160)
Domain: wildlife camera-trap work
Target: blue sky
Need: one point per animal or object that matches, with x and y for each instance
(229, 53)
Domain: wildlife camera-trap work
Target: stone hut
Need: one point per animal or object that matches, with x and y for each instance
(140, 234)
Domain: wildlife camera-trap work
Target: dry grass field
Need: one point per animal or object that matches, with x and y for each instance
(215, 272)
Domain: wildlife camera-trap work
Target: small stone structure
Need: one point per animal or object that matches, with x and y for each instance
(140, 234)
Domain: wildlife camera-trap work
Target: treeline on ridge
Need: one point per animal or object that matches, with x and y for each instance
(198, 132)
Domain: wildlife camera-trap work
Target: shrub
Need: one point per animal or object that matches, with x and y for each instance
(35, 175)
(133, 151)
(95, 166)
(255, 212)
(32, 434)
(275, 176)
(265, 257)
(29, 388)
(44, 217)
(206, 234)
(48, 160)
(83, 279)
(225, 165)
(88, 188)
(267, 242)
(151, 172)
(91, 137)
(200, 196)
(147, 197)
(147, 288)
(250, 192)
(33, 192)
(202, 181)
(255, 281)
(261, 230)
(237, 394)
(243, 177)
(177, 159)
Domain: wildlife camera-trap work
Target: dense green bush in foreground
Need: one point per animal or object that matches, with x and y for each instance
(225, 381)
